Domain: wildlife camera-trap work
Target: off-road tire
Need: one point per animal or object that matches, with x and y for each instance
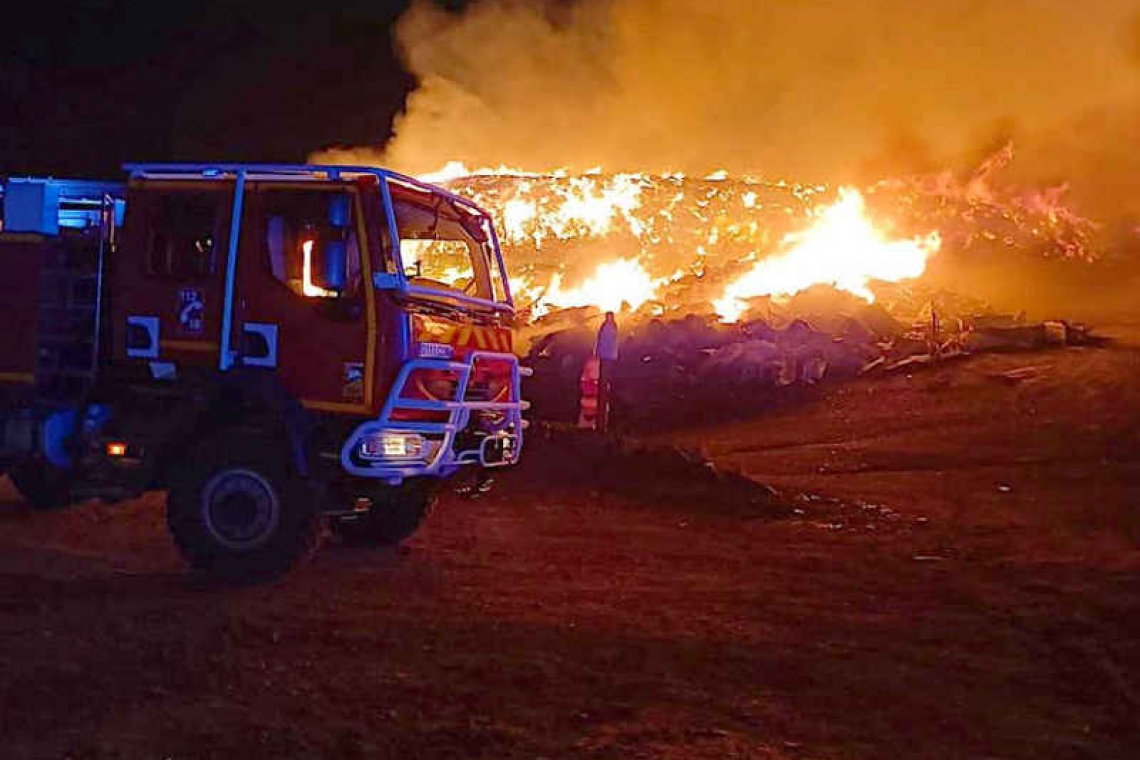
(41, 485)
(397, 512)
(224, 480)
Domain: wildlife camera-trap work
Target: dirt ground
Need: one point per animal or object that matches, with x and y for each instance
(973, 591)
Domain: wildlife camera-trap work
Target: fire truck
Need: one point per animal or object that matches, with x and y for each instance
(280, 348)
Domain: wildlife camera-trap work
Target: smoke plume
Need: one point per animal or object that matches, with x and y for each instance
(823, 91)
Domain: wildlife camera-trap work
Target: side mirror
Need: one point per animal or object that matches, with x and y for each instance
(329, 256)
(330, 260)
(340, 211)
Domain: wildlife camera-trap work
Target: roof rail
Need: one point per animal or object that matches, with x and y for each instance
(331, 172)
(210, 171)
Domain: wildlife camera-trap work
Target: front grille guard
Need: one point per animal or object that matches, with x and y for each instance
(443, 460)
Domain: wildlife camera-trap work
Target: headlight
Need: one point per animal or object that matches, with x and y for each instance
(388, 444)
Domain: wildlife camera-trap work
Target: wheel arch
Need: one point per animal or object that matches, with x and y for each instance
(282, 531)
(243, 403)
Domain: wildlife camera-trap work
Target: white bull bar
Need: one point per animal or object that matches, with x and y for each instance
(442, 460)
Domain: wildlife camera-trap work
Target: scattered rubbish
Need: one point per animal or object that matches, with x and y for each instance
(694, 364)
(1017, 375)
(1056, 333)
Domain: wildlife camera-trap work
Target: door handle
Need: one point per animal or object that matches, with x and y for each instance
(142, 337)
(259, 344)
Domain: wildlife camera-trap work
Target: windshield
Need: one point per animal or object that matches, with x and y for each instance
(449, 248)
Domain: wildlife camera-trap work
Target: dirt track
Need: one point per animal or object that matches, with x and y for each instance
(976, 596)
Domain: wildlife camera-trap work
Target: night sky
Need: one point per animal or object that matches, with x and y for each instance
(88, 85)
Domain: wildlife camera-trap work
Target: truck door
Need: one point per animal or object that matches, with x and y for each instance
(302, 306)
(168, 281)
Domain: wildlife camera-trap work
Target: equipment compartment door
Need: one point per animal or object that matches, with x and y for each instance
(302, 308)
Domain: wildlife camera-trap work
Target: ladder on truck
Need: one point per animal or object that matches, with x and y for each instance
(76, 221)
(71, 303)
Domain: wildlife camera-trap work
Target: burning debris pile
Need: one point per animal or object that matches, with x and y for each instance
(731, 289)
(670, 245)
(714, 268)
(978, 214)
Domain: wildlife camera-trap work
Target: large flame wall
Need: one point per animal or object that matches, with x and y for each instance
(679, 244)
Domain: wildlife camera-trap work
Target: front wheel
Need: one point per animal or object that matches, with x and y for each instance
(239, 514)
(397, 512)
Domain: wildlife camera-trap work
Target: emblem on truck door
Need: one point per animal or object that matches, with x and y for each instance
(191, 310)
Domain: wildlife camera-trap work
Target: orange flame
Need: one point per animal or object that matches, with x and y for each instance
(842, 249)
(535, 210)
(613, 284)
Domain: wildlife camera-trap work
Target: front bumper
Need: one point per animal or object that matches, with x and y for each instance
(498, 447)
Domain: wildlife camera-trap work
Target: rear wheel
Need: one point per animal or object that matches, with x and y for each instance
(43, 486)
(239, 514)
(397, 512)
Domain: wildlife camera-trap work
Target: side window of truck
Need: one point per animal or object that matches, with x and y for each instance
(185, 228)
(311, 242)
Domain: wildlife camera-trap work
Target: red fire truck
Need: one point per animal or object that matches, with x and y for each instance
(277, 347)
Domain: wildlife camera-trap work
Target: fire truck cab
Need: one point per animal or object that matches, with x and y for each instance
(275, 346)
